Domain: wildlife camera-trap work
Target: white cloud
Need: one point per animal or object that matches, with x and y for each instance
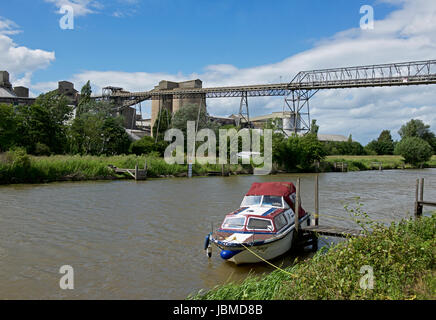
(20, 60)
(8, 27)
(408, 33)
(80, 7)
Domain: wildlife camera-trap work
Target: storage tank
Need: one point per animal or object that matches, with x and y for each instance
(289, 124)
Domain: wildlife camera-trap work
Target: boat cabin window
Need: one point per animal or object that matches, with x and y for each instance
(259, 224)
(280, 221)
(272, 201)
(251, 201)
(234, 223)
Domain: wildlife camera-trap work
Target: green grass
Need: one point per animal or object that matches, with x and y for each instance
(23, 168)
(402, 256)
(29, 169)
(356, 163)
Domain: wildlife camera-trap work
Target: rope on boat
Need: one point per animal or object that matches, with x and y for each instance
(271, 264)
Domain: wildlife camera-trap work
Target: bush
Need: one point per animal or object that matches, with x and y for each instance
(18, 158)
(414, 150)
(298, 152)
(334, 148)
(42, 149)
(147, 145)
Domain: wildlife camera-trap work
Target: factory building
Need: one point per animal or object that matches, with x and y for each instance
(173, 103)
(9, 94)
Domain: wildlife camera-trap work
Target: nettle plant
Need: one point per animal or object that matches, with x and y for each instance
(362, 218)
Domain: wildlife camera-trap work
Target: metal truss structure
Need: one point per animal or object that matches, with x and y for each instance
(298, 92)
(306, 83)
(298, 104)
(244, 115)
(393, 74)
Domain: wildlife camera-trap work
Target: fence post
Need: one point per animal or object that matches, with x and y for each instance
(316, 199)
(416, 197)
(297, 206)
(421, 197)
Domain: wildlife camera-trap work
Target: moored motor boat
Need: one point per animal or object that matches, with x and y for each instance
(262, 228)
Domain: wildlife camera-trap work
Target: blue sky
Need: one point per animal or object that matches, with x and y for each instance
(179, 35)
(134, 44)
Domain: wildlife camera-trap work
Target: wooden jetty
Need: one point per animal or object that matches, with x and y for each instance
(332, 231)
(419, 198)
(378, 165)
(137, 174)
(340, 166)
(308, 234)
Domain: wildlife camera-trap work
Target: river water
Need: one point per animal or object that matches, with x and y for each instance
(144, 240)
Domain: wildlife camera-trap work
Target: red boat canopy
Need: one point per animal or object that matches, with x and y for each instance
(280, 189)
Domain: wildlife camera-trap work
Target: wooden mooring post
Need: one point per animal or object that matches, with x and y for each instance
(343, 166)
(311, 232)
(419, 198)
(297, 206)
(377, 164)
(316, 200)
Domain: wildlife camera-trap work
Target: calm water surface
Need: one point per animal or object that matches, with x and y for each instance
(144, 240)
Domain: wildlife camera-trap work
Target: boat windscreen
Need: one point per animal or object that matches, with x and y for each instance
(272, 201)
(259, 224)
(251, 201)
(234, 223)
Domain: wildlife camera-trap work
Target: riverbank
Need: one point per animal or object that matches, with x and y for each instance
(361, 163)
(402, 257)
(23, 168)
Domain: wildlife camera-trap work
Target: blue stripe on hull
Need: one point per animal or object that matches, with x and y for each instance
(269, 211)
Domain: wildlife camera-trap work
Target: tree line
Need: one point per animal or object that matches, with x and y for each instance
(46, 128)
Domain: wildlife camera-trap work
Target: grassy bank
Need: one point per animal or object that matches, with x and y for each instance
(23, 168)
(402, 257)
(359, 163)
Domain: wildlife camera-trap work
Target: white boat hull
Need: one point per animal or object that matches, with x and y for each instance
(266, 251)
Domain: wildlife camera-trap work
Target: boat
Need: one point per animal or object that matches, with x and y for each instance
(262, 228)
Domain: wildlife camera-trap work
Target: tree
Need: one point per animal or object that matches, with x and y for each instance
(384, 145)
(190, 112)
(42, 126)
(414, 150)
(162, 124)
(8, 127)
(298, 152)
(57, 106)
(417, 128)
(85, 100)
(96, 134)
(147, 145)
(344, 148)
(39, 124)
(314, 128)
(114, 136)
(86, 134)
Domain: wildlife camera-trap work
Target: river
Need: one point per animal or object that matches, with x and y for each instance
(144, 240)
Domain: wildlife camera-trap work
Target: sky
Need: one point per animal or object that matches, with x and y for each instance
(136, 43)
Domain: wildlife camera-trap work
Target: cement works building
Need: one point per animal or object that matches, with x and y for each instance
(20, 95)
(14, 95)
